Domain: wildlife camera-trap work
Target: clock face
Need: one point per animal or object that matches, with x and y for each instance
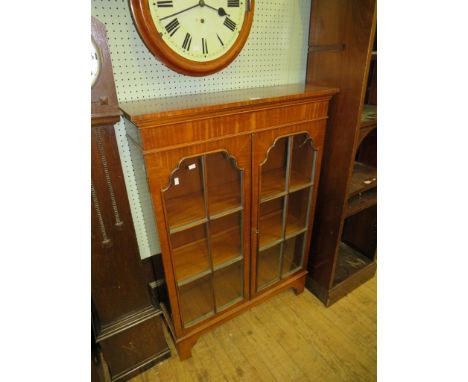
(201, 30)
(95, 63)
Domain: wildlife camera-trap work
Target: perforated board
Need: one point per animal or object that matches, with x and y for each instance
(275, 54)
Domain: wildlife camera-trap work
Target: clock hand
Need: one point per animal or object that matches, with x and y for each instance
(220, 11)
(184, 10)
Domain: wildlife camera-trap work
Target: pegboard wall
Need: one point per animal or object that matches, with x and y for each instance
(275, 54)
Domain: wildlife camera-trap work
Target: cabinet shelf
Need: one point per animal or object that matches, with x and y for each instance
(298, 181)
(273, 184)
(294, 226)
(191, 261)
(226, 212)
(364, 178)
(226, 248)
(349, 262)
(224, 199)
(185, 211)
(361, 201)
(369, 116)
(271, 230)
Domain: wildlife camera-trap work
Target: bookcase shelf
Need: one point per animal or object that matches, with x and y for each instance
(369, 116)
(271, 229)
(349, 262)
(364, 178)
(361, 201)
(273, 184)
(298, 181)
(191, 261)
(224, 199)
(226, 246)
(185, 211)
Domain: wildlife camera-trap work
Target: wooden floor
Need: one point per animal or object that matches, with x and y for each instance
(287, 338)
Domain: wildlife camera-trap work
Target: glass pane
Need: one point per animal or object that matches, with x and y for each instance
(298, 206)
(270, 224)
(184, 198)
(224, 183)
(268, 266)
(302, 162)
(196, 301)
(292, 254)
(228, 285)
(273, 176)
(225, 238)
(190, 253)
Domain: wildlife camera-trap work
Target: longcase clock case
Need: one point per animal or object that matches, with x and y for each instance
(127, 326)
(233, 191)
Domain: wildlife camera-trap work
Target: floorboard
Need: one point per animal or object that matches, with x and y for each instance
(287, 338)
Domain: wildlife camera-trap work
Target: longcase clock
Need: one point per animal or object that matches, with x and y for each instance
(126, 324)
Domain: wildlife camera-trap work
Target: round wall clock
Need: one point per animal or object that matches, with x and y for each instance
(194, 37)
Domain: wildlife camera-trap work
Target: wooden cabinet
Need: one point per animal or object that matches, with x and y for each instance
(232, 178)
(343, 53)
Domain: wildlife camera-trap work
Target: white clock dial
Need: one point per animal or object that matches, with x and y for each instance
(201, 30)
(95, 63)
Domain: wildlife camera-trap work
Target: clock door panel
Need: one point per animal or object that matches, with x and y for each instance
(284, 169)
(204, 196)
(117, 278)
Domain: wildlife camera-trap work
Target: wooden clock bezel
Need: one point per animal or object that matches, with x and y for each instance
(149, 34)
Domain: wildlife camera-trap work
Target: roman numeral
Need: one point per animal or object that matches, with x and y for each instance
(187, 41)
(166, 4)
(233, 3)
(173, 27)
(205, 46)
(230, 24)
(219, 38)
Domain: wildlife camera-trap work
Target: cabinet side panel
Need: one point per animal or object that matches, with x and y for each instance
(341, 42)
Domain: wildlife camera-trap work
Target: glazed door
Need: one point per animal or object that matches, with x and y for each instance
(205, 199)
(284, 173)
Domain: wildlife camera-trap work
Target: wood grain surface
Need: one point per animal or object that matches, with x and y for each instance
(348, 28)
(287, 338)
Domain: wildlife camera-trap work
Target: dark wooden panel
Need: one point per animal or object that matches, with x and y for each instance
(367, 151)
(348, 26)
(371, 95)
(125, 323)
(135, 349)
(94, 371)
(118, 282)
(360, 232)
